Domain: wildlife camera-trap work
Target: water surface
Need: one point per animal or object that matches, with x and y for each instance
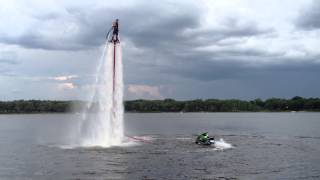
(266, 146)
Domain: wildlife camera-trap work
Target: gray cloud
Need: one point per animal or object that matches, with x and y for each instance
(147, 24)
(171, 66)
(236, 70)
(76, 29)
(309, 18)
(183, 32)
(167, 45)
(170, 47)
(229, 65)
(5, 71)
(8, 61)
(8, 58)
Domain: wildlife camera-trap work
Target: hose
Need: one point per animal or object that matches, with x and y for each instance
(139, 139)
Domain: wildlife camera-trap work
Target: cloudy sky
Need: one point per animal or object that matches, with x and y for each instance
(179, 49)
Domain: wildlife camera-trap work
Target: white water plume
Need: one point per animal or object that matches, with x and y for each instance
(102, 120)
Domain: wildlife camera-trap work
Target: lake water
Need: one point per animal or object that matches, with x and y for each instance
(265, 146)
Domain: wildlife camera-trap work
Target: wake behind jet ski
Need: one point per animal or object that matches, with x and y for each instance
(204, 139)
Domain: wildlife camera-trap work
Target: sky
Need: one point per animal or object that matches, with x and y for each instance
(182, 49)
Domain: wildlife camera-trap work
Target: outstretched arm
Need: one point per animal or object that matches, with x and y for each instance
(109, 32)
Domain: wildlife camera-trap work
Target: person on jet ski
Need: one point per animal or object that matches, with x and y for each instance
(204, 139)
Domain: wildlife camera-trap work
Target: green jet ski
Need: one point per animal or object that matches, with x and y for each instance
(204, 139)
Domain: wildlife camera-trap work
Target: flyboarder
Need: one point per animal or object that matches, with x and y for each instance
(115, 28)
(114, 40)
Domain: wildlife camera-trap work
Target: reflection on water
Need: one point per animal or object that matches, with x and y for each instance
(266, 146)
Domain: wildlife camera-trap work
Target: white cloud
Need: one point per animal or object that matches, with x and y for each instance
(64, 78)
(66, 86)
(145, 91)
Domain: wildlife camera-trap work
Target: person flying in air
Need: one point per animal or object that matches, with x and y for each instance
(115, 27)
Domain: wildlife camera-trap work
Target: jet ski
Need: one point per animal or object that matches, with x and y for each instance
(208, 142)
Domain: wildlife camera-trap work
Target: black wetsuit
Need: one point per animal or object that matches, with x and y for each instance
(115, 32)
(116, 29)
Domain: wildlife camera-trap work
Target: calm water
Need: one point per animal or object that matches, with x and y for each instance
(266, 146)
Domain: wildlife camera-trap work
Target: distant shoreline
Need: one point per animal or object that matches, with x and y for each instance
(132, 112)
(295, 104)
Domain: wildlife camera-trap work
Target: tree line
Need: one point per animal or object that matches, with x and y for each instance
(170, 105)
(229, 105)
(34, 106)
